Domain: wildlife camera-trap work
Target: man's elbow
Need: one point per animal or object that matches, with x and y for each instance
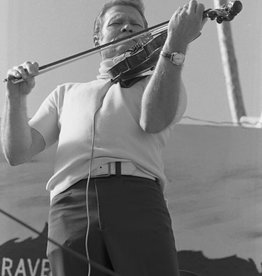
(15, 159)
(154, 127)
(13, 162)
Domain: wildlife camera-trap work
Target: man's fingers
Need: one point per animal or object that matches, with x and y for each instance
(192, 6)
(25, 71)
(31, 68)
(200, 9)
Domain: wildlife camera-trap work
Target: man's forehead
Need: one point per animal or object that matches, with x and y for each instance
(120, 11)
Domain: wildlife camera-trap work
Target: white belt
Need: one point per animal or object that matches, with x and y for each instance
(126, 168)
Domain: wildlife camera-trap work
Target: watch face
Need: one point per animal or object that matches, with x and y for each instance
(178, 58)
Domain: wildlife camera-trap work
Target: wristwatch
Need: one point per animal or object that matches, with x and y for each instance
(176, 58)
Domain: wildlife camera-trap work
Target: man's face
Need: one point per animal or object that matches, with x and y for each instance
(119, 21)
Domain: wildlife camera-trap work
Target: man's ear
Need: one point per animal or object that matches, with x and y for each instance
(96, 41)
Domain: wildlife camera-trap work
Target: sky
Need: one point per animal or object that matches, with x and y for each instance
(47, 30)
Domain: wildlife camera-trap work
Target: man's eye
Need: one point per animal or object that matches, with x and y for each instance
(114, 23)
(137, 24)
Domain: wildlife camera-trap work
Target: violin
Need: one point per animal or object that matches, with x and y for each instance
(144, 55)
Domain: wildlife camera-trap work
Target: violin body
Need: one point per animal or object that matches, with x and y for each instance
(143, 57)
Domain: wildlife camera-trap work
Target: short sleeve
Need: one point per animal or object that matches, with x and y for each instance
(46, 119)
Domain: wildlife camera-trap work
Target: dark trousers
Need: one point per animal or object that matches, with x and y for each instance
(128, 228)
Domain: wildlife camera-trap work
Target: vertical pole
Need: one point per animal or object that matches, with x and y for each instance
(230, 68)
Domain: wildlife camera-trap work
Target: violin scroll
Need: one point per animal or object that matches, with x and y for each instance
(226, 13)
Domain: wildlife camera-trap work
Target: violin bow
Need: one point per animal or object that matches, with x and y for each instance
(53, 65)
(226, 13)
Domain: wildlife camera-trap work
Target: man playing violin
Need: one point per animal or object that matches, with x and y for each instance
(106, 192)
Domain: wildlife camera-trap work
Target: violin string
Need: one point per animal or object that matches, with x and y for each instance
(67, 249)
(159, 30)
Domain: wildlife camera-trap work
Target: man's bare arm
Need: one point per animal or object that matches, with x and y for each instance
(161, 97)
(20, 142)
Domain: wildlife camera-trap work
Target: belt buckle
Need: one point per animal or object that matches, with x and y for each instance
(104, 170)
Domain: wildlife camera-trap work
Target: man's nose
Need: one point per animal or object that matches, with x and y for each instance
(127, 28)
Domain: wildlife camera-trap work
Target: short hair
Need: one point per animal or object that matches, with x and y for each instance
(137, 4)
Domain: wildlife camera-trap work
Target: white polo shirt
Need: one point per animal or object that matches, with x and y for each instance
(71, 113)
